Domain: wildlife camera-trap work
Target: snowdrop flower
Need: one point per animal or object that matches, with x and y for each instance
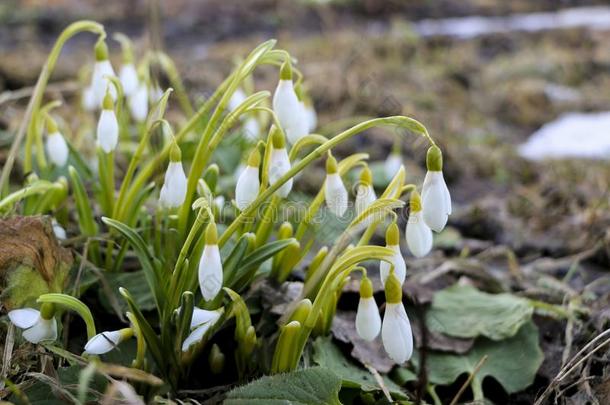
(334, 190)
(286, 105)
(210, 265)
(88, 100)
(236, 99)
(310, 114)
(365, 193)
(106, 341)
(393, 162)
(173, 191)
(138, 103)
(400, 268)
(251, 129)
(248, 184)
(396, 331)
(129, 78)
(435, 194)
(201, 322)
(56, 145)
(419, 235)
(107, 126)
(368, 321)
(58, 230)
(101, 69)
(279, 163)
(38, 325)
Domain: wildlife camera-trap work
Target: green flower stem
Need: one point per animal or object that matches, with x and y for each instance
(398, 121)
(556, 310)
(74, 304)
(106, 173)
(34, 104)
(140, 342)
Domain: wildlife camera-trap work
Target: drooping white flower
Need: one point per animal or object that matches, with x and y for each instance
(106, 341)
(368, 321)
(88, 100)
(392, 163)
(236, 99)
(138, 103)
(210, 265)
(311, 115)
(107, 126)
(129, 78)
(396, 331)
(334, 190)
(56, 145)
(436, 199)
(287, 107)
(58, 230)
(279, 163)
(201, 322)
(38, 325)
(365, 193)
(419, 235)
(400, 268)
(248, 184)
(173, 191)
(101, 69)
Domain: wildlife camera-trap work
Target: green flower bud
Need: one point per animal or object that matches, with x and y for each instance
(393, 289)
(415, 202)
(392, 236)
(277, 138)
(286, 70)
(47, 311)
(108, 104)
(216, 359)
(254, 160)
(211, 234)
(101, 51)
(285, 231)
(175, 155)
(331, 164)
(434, 159)
(51, 126)
(366, 287)
(366, 176)
(249, 341)
(302, 311)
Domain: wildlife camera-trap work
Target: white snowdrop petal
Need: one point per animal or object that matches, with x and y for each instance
(335, 194)
(138, 103)
(400, 268)
(392, 165)
(312, 117)
(279, 165)
(195, 336)
(289, 111)
(365, 196)
(129, 79)
(247, 187)
(107, 131)
(103, 342)
(251, 129)
(368, 321)
(396, 333)
(236, 99)
(24, 318)
(43, 329)
(99, 82)
(59, 231)
(436, 201)
(201, 316)
(57, 149)
(419, 235)
(173, 191)
(210, 272)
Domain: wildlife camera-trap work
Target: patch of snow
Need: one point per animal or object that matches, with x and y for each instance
(596, 18)
(572, 135)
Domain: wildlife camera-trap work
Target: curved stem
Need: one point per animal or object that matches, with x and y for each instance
(398, 121)
(36, 99)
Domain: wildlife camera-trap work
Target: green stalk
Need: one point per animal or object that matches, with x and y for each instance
(36, 99)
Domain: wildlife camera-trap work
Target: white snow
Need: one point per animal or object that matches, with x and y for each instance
(572, 135)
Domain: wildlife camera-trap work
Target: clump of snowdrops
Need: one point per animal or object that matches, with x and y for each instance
(199, 255)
